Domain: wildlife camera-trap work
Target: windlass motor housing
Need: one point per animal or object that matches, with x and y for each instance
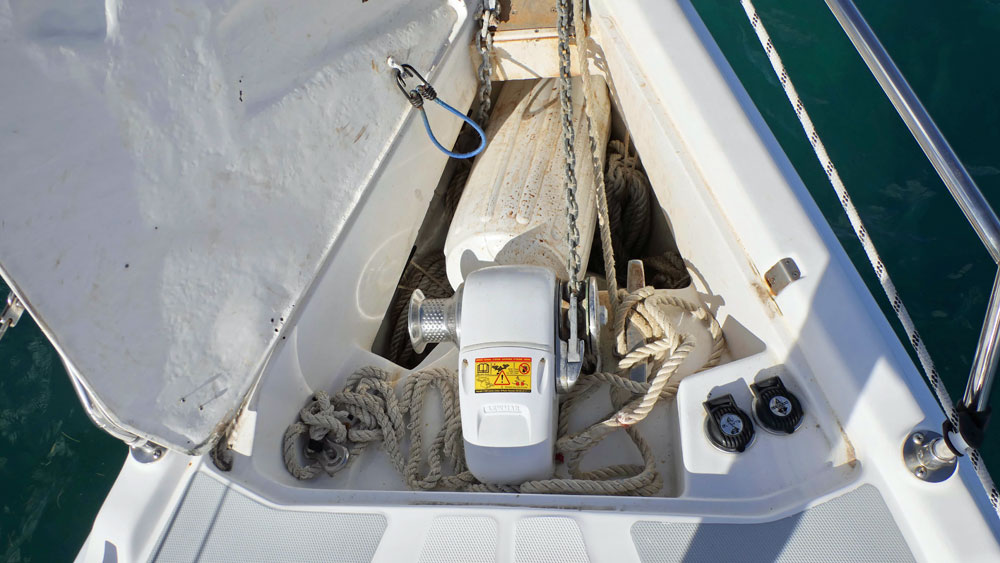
(505, 321)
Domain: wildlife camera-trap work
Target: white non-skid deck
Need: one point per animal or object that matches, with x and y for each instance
(216, 522)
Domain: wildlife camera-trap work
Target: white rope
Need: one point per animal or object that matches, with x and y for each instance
(603, 220)
(367, 411)
(859, 229)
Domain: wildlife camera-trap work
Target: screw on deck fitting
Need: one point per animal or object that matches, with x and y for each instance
(927, 456)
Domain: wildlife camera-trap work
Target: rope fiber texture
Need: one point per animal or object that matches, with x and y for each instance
(630, 219)
(367, 410)
(624, 225)
(603, 221)
(859, 229)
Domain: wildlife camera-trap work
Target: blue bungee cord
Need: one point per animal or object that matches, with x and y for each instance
(467, 119)
(426, 91)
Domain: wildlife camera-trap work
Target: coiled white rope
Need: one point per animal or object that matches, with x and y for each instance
(859, 229)
(367, 410)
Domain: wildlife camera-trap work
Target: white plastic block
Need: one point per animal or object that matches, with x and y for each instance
(513, 208)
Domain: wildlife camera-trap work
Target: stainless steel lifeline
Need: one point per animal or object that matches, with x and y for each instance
(954, 175)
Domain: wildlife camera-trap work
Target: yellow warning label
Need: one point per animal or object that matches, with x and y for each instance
(503, 375)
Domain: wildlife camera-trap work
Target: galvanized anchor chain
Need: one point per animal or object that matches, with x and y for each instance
(574, 346)
(485, 70)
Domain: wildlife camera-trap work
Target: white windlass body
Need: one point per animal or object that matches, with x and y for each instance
(207, 209)
(509, 415)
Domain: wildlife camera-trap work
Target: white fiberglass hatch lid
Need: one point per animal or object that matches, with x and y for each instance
(175, 174)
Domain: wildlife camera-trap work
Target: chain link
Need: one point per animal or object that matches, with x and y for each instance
(596, 154)
(485, 72)
(569, 140)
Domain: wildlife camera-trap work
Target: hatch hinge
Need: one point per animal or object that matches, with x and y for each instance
(12, 312)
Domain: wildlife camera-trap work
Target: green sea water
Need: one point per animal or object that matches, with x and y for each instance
(56, 467)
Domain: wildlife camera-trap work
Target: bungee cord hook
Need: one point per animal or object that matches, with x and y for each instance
(424, 91)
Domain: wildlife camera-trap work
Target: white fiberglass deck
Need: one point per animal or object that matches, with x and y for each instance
(216, 522)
